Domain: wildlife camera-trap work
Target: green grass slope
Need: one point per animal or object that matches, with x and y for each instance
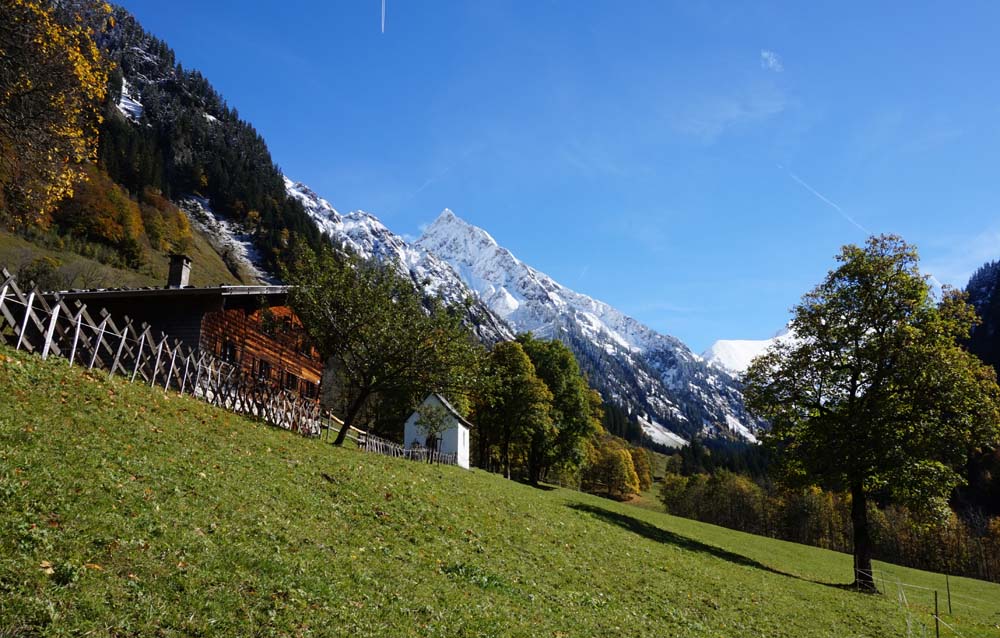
(128, 512)
(82, 272)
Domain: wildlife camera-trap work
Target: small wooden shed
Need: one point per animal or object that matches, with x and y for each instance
(453, 440)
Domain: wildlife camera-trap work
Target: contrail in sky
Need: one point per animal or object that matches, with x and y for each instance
(383, 16)
(832, 204)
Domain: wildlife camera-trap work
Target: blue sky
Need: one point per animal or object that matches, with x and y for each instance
(696, 165)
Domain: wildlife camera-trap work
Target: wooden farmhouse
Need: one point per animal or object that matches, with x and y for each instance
(249, 326)
(454, 439)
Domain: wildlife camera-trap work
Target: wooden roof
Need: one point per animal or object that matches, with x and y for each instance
(190, 291)
(191, 297)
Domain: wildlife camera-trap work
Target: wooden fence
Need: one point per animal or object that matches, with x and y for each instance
(47, 325)
(371, 443)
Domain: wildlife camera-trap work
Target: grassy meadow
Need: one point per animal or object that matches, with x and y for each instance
(125, 511)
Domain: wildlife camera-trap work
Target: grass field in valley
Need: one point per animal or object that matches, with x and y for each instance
(125, 511)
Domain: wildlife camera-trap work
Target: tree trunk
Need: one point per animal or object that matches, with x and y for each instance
(534, 472)
(485, 443)
(534, 464)
(864, 579)
(506, 457)
(352, 412)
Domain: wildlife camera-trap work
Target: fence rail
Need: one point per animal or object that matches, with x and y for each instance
(371, 443)
(918, 603)
(47, 325)
(377, 445)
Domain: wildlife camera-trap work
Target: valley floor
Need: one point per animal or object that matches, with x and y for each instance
(127, 511)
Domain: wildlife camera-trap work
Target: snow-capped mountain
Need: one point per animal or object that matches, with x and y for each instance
(735, 355)
(656, 376)
(365, 235)
(670, 390)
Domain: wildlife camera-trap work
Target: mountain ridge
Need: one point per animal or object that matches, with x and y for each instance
(661, 383)
(365, 235)
(664, 383)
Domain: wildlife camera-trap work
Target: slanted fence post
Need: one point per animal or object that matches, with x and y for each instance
(156, 364)
(10, 292)
(197, 377)
(170, 372)
(76, 336)
(121, 346)
(187, 362)
(97, 346)
(138, 356)
(27, 315)
(50, 331)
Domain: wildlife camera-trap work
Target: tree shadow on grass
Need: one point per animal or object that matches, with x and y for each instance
(545, 487)
(659, 535)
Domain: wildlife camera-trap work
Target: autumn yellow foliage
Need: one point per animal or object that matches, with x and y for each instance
(52, 82)
(610, 469)
(102, 211)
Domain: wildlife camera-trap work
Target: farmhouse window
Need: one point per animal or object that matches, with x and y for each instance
(263, 369)
(310, 390)
(228, 351)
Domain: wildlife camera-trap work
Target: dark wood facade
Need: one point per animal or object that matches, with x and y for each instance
(250, 326)
(268, 343)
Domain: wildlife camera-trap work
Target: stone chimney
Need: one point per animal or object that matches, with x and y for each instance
(180, 271)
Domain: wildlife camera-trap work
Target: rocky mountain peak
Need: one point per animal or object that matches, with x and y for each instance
(668, 387)
(669, 390)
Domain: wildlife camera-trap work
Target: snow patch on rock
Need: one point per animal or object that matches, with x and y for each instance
(128, 103)
(227, 238)
(661, 435)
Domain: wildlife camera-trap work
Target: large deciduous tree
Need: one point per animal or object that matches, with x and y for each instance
(875, 393)
(573, 416)
(52, 82)
(513, 407)
(380, 334)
